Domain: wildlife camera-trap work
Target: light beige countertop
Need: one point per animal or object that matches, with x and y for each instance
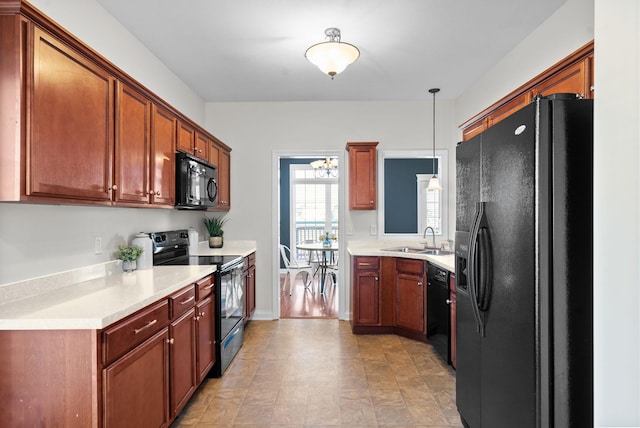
(98, 302)
(96, 296)
(230, 248)
(376, 249)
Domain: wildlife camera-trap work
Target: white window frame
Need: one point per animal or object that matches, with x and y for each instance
(442, 156)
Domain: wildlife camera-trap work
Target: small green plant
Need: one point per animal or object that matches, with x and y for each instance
(214, 225)
(128, 254)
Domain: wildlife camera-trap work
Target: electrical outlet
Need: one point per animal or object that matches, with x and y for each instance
(373, 230)
(97, 245)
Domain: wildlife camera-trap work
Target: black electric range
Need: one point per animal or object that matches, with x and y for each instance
(171, 248)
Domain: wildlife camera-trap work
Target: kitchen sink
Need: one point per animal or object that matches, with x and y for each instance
(404, 249)
(414, 250)
(436, 252)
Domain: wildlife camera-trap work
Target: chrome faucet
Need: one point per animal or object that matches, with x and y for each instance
(433, 234)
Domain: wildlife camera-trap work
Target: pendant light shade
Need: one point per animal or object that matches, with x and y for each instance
(434, 183)
(332, 56)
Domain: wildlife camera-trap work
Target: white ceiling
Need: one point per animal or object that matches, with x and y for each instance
(253, 50)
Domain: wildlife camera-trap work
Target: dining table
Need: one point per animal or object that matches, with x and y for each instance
(326, 255)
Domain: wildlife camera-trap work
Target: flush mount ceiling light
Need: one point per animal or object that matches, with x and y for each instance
(434, 183)
(332, 56)
(325, 168)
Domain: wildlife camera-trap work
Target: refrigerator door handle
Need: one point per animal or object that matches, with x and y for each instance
(473, 268)
(485, 266)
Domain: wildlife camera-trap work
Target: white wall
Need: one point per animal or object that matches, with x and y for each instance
(617, 213)
(256, 130)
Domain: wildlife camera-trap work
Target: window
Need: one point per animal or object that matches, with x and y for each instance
(406, 208)
(314, 205)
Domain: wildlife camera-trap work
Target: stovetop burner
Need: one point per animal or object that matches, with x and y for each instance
(171, 248)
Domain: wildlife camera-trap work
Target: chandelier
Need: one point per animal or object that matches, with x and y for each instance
(332, 56)
(325, 168)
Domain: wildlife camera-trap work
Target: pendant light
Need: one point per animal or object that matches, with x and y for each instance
(332, 56)
(434, 183)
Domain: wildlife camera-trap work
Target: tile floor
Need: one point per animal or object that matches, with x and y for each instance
(315, 373)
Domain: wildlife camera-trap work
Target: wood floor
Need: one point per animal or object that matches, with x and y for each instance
(307, 302)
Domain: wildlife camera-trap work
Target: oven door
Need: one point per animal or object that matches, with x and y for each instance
(231, 299)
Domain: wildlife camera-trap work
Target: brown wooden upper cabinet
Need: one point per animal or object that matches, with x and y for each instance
(224, 181)
(573, 74)
(76, 129)
(192, 142)
(362, 175)
(70, 149)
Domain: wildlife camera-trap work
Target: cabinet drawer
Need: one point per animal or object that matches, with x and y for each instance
(181, 301)
(126, 334)
(410, 266)
(367, 263)
(204, 287)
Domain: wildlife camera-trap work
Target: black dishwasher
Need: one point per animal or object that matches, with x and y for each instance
(438, 310)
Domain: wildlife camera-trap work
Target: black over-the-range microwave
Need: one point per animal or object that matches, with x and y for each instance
(196, 183)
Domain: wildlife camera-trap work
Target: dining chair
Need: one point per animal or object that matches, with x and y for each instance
(293, 268)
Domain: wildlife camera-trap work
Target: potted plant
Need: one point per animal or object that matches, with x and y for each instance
(128, 255)
(214, 227)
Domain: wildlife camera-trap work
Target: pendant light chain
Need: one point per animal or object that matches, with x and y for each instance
(434, 183)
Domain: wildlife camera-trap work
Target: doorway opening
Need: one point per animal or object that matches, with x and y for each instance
(309, 213)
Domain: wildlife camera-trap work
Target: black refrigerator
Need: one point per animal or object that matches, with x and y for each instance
(524, 263)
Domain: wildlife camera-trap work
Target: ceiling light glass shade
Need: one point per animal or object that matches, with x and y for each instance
(434, 184)
(333, 56)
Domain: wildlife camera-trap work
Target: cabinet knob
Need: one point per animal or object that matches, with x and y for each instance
(449, 301)
(419, 283)
(375, 277)
(201, 314)
(157, 193)
(171, 341)
(114, 187)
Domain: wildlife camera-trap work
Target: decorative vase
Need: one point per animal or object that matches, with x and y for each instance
(215, 242)
(129, 266)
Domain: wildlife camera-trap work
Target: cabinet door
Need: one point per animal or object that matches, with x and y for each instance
(249, 277)
(163, 161)
(182, 352)
(572, 79)
(214, 154)
(410, 302)
(362, 176)
(202, 146)
(366, 298)
(186, 139)
(206, 355)
(224, 181)
(131, 181)
(135, 387)
(70, 149)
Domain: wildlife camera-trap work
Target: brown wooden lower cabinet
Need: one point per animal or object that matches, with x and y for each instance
(137, 372)
(182, 353)
(411, 296)
(389, 295)
(249, 280)
(135, 387)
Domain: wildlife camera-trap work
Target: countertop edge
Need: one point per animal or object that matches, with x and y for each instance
(446, 262)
